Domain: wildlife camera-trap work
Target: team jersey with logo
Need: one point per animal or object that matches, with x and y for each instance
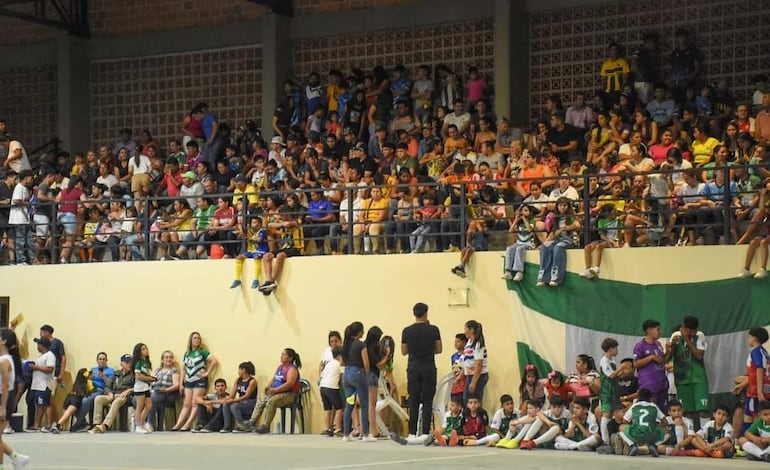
(688, 369)
(711, 434)
(759, 428)
(452, 422)
(589, 423)
(562, 421)
(501, 422)
(194, 363)
(475, 426)
(643, 414)
(758, 359)
(609, 389)
(689, 428)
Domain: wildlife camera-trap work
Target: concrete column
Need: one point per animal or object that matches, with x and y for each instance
(276, 64)
(73, 94)
(512, 60)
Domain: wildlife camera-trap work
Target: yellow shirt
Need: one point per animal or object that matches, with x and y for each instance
(333, 92)
(251, 192)
(613, 71)
(373, 209)
(620, 204)
(701, 152)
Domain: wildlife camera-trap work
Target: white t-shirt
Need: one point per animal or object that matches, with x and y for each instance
(570, 193)
(471, 355)
(109, 181)
(40, 380)
(327, 356)
(20, 163)
(462, 121)
(19, 214)
(142, 168)
(11, 371)
(330, 375)
(277, 157)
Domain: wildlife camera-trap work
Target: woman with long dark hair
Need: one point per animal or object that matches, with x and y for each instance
(281, 392)
(553, 254)
(356, 360)
(475, 363)
(10, 362)
(377, 361)
(142, 386)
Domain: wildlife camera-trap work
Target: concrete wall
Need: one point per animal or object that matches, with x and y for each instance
(111, 307)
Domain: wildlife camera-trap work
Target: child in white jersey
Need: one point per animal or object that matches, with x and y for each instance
(582, 431)
(501, 422)
(556, 418)
(518, 428)
(10, 362)
(680, 429)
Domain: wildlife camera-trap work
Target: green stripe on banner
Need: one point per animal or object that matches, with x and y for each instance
(724, 306)
(527, 356)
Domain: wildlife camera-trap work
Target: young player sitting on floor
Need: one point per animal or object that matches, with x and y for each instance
(451, 426)
(500, 423)
(646, 424)
(556, 418)
(715, 438)
(582, 432)
(680, 431)
(518, 428)
(256, 247)
(475, 423)
(756, 440)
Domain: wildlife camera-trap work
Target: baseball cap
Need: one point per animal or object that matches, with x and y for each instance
(126, 358)
(44, 341)
(189, 174)
(241, 178)
(277, 140)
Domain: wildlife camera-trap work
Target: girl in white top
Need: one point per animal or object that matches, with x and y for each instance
(475, 363)
(139, 167)
(10, 361)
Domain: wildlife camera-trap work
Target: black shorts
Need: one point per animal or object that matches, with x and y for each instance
(331, 398)
(72, 400)
(142, 394)
(289, 252)
(9, 230)
(200, 383)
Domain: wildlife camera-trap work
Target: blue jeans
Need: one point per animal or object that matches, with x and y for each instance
(553, 260)
(514, 256)
(480, 386)
(161, 401)
(236, 411)
(86, 406)
(25, 245)
(354, 382)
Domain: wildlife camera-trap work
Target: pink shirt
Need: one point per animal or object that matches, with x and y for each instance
(475, 89)
(658, 153)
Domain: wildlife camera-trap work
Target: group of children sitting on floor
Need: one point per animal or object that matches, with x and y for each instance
(630, 421)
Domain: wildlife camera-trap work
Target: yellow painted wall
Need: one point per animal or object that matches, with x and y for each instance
(111, 307)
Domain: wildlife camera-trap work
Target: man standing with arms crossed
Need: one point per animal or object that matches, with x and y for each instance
(421, 341)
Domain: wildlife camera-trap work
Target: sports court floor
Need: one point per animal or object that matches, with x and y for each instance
(172, 451)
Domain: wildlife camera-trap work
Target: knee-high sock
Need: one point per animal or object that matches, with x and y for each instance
(564, 443)
(509, 435)
(534, 428)
(626, 439)
(548, 436)
(588, 444)
(524, 430)
(238, 268)
(679, 431)
(753, 449)
(604, 426)
(665, 438)
(486, 440)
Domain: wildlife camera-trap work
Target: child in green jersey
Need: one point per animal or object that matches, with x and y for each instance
(646, 424)
(756, 440)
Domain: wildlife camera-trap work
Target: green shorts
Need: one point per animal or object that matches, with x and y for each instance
(694, 397)
(644, 435)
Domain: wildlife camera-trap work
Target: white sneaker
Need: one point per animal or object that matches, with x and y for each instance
(369, 438)
(507, 276)
(518, 277)
(140, 430)
(148, 427)
(744, 274)
(761, 274)
(587, 274)
(21, 462)
(540, 284)
(561, 445)
(595, 270)
(553, 284)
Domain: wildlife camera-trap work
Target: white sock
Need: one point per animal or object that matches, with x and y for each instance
(523, 432)
(604, 426)
(549, 435)
(588, 444)
(626, 439)
(508, 435)
(486, 440)
(534, 428)
(563, 443)
(753, 449)
(679, 431)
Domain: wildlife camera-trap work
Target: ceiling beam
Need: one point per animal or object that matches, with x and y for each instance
(282, 7)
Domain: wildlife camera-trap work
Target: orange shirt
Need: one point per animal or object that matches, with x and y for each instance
(536, 173)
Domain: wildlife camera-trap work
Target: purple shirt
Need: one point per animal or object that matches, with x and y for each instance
(319, 209)
(653, 375)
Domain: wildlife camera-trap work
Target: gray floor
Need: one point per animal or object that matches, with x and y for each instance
(171, 451)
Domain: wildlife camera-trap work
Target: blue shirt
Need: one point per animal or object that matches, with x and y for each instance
(319, 209)
(208, 124)
(716, 193)
(98, 382)
(457, 358)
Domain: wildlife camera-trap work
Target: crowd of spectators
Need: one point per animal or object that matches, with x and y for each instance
(402, 161)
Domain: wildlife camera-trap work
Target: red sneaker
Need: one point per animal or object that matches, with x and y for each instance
(716, 454)
(527, 445)
(453, 439)
(698, 453)
(440, 438)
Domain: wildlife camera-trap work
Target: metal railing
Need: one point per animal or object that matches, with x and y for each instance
(449, 227)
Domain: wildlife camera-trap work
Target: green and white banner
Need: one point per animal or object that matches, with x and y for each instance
(554, 325)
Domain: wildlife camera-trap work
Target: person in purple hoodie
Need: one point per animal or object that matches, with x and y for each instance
(650, 363)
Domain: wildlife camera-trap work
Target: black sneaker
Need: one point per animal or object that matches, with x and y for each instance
(395, 437)
(55, 428)
(653, 450)
(633, 450)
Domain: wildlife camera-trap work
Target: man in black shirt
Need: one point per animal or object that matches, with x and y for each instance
(6, 192)
(421, 341)
(563, 138)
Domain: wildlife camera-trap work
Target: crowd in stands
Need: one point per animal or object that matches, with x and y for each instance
(406, 162)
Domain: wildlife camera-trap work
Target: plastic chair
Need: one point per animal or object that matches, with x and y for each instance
(296, 405)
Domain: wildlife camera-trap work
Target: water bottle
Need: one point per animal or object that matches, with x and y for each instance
(279, 428)
(367, 244)
(132, 422)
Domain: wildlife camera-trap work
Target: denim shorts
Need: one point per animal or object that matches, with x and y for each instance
(372, 379)
(200, 383)
(69, 221)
